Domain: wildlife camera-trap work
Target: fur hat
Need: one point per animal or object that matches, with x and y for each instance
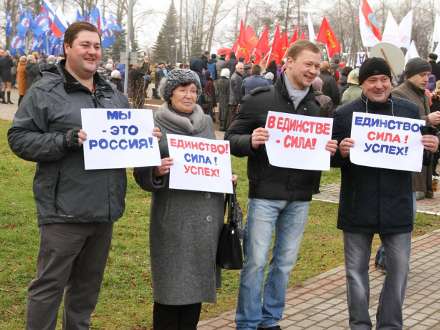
(176, 78)
(415, 66)
(353, 77)
(225, 73)
(373, 66)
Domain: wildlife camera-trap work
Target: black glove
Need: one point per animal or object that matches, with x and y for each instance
(71, 139)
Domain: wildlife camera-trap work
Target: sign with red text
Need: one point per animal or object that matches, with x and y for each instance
(119, 138)
(200, 164)
(387, 142)
(297, 141)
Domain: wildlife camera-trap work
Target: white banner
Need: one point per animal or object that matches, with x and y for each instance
(387, 142)
(297, 141)
(119, 138)
(200, 164)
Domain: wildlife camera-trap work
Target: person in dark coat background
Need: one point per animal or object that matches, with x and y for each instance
(222, 95)
(329, 87)
(254, 80)
(375, 201)
(434, 65)
(6, 65)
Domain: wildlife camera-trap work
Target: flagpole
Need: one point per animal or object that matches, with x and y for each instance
(128, 46)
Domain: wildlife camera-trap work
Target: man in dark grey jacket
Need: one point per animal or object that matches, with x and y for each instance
(76, 208)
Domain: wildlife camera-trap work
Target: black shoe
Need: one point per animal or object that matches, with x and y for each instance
(276, 327)
(10, 102)
(429, 194)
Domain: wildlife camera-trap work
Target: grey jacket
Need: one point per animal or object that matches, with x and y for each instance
(184, 225)
(235, 88)
(64, 191)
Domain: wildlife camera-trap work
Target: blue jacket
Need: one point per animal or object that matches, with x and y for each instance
(252, 82)
(373, 200)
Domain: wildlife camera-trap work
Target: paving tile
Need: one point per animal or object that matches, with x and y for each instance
(326, 305)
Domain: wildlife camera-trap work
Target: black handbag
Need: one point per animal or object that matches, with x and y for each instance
(229, 250)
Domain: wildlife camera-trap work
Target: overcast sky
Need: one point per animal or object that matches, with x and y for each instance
(148, 26)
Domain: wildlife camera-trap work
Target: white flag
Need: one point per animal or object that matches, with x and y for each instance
(437, 49)
(312, 36)
(412, 52)
(436, 32)
(368, 26)
(405, 28)
(391, 31)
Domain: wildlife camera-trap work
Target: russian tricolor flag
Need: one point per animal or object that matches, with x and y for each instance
(58, 20)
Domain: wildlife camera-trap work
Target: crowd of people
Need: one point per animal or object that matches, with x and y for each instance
(76, 208)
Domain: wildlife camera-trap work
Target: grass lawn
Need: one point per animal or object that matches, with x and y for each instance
(125, 300)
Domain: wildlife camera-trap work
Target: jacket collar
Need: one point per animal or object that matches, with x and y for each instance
(72, 85)
(280, 85)
(415, 89)
(376, 106)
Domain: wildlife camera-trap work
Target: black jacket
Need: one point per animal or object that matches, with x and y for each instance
(372, 200)
(330, 87)
(267, 181)
(435, 69)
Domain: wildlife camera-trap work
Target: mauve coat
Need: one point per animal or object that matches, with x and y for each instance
(184, 230)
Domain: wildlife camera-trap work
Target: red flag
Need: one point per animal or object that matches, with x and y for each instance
(247, 40)
(262, 47)
(294, 37)
(276, 51)
(303, 36)
(370, 19)
(328, 37)
(251, 38)
(285, 44)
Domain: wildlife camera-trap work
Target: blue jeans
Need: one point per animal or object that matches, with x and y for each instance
(265, 309)
(357, 249)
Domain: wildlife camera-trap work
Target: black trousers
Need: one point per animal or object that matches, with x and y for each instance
(176, 317)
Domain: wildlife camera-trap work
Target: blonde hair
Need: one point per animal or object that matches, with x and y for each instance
(437, 87)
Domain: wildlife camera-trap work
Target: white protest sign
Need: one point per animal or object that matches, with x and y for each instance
(386, 142)
(200, 164)
(119, 138)
(297, 141)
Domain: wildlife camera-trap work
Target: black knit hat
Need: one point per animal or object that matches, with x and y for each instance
(415, 66)
(373, 66)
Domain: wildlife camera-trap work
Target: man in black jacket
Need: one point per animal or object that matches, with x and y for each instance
(278, 197)
(375, 200)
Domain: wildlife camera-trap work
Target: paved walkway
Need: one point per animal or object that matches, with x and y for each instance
(330, 193)
(320, 303)
(7, 111)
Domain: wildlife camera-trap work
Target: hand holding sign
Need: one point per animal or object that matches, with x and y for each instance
(259, 136)
(331, 146)
(344, 147)
(164, 168)
(430, 142)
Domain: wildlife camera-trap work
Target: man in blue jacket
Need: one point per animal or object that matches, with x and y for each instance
(375, 200)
